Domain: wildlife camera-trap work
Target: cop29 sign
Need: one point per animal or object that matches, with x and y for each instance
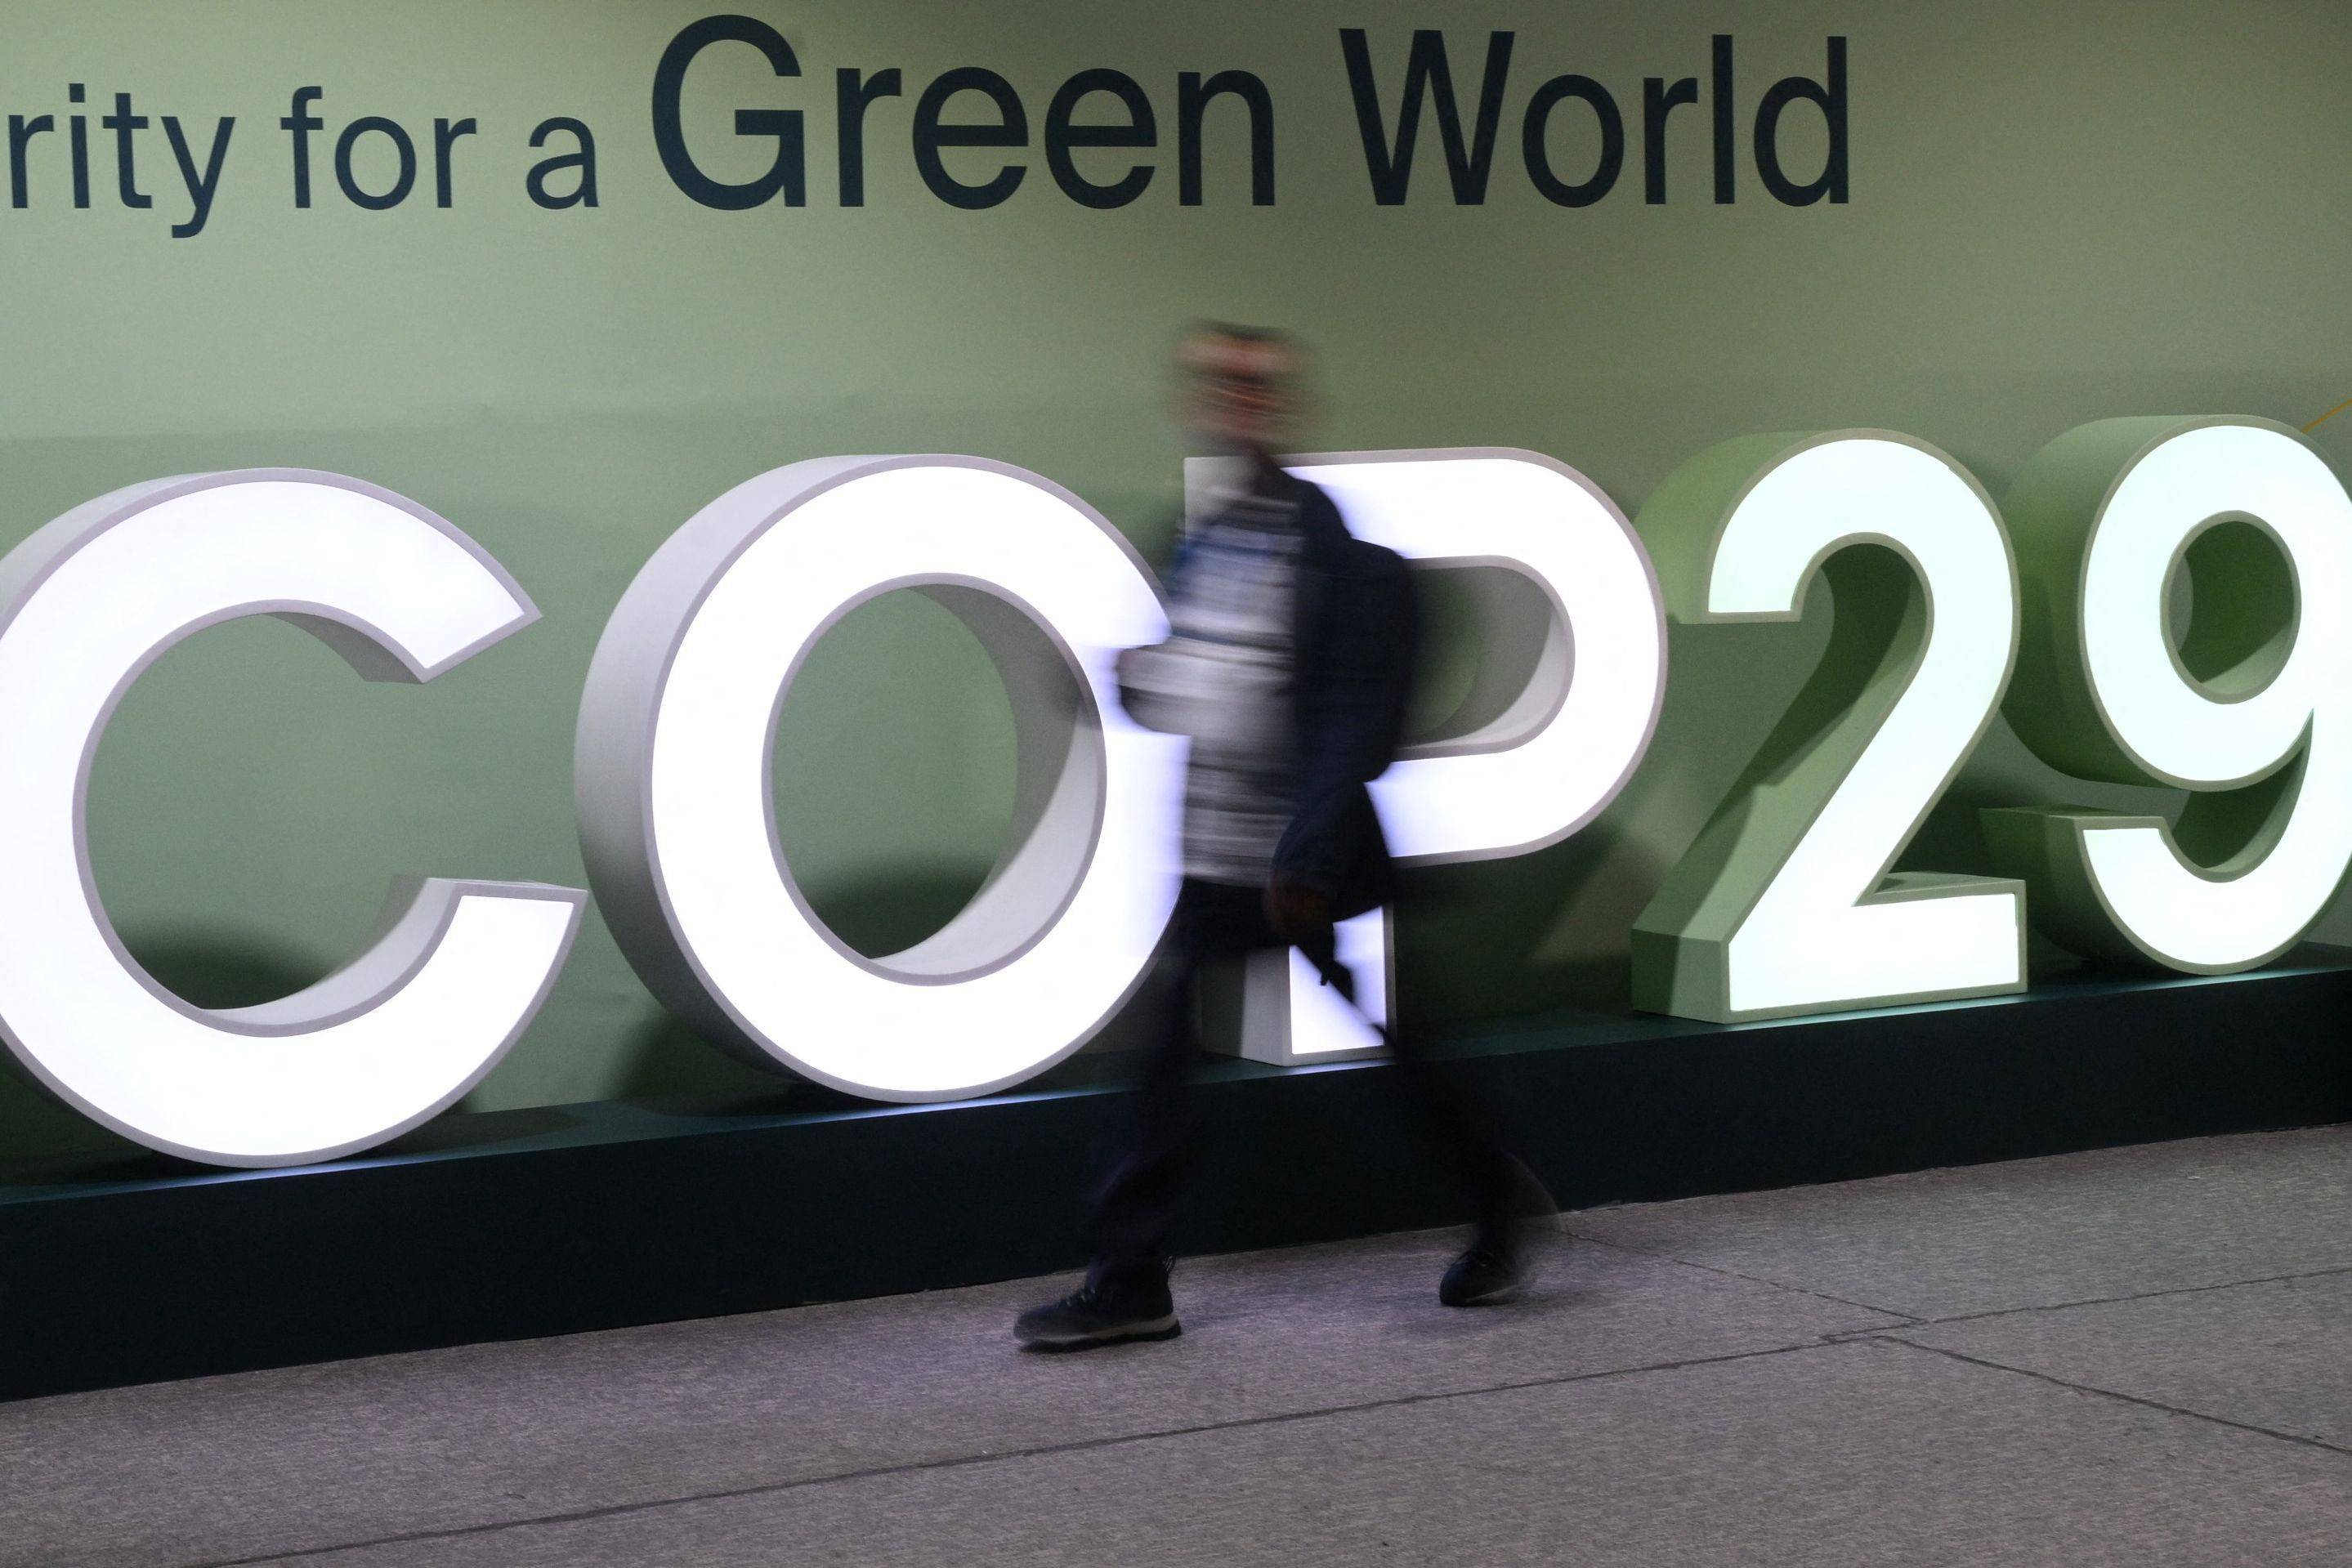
(2068, 619)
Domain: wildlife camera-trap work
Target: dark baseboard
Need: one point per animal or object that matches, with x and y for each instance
(508, 1224)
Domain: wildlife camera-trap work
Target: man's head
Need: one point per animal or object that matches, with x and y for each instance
(1240, 387)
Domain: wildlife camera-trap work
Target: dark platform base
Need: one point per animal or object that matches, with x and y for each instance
(510, 1224)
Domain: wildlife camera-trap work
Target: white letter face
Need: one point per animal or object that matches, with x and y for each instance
(676, 730)
(1825, 932)
(2215, 920)
(459, 967)
(1545, 740)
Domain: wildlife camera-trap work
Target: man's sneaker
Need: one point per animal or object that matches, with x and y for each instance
(1507, 1247)
(1112, 1306)
(1488, 1271)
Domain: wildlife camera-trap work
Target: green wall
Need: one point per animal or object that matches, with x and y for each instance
(2058, 214)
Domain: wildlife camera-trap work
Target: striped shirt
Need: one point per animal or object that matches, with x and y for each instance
(1224, 677)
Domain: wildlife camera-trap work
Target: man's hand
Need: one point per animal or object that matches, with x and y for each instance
(1295, 910)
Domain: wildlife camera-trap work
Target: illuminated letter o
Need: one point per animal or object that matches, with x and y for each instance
(676, 729)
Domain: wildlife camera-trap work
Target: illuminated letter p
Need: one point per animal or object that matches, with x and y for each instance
(1572, 674)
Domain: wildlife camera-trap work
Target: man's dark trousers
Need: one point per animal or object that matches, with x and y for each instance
(1139, 1203)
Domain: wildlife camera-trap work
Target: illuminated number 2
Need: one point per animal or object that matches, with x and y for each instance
(1785, 903)
(2244, 706)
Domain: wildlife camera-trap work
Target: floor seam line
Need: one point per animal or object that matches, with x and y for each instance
(2115, 1301)
(1910, 1320)
(2141, 1400)
(1278, 1418)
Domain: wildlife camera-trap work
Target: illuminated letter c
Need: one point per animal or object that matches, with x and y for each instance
(458, 969)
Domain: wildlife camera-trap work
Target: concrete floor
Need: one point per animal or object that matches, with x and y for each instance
(2139, 1357)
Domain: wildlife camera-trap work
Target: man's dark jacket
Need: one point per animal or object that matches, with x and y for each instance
(1356, 632)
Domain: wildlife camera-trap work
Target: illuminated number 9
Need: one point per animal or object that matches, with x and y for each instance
(2246, 707)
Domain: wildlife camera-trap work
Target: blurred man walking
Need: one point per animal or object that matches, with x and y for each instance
(1289, 662)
